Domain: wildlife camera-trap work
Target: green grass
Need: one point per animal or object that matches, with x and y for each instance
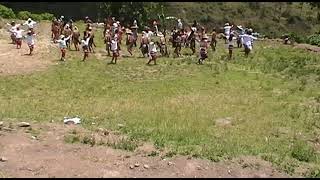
(175, 104)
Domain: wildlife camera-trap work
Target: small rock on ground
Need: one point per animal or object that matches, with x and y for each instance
(3, 159)
(131, 166)
(1, 123)
(136, 164)
(224, 121)
(120, 125)
(24, 124)
(146, 166)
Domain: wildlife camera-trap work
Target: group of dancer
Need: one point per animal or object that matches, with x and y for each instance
(65, 33)
(17, 34)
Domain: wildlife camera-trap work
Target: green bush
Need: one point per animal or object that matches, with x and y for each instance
(36, 17)
(303, 152)
(24, 15)
(47, 16)
(297, 38)
(6, 12)
(314, 39)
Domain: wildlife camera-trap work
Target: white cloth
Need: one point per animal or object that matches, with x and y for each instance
(63, 43)
(13, 28)
(152, 48)
(30, 39)
(247, 40)
(179, 25)
(227, 30)
(114, 46)
(85, 42)
(18, 33)
(31, 24)
(149, 34)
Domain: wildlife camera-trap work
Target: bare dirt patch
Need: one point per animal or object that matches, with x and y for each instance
(15, 61)
(47, 155)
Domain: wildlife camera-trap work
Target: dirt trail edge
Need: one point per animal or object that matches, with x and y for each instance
(48, 155)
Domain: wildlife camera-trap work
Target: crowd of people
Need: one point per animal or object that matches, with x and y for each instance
(153, 42)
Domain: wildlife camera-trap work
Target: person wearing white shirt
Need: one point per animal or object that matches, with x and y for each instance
(31, 24)
(12, 30)
(152, 53)
(247, 42)
(115, 51)
(18, 33)
(180, 25)
(30, 41)
(227, 29)
(230, 44)
(85, 47)
(63, 46)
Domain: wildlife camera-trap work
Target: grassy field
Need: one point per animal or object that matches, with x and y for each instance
(271, 98)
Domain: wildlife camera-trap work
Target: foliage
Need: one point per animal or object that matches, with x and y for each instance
(314, 39)
(6, 12)
(297, 38)
(302, 151)
(47, 16)
(24, 15)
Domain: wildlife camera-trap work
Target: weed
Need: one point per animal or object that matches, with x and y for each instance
(302, 151)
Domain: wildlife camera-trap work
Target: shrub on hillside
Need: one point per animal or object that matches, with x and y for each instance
(24, 15)
(36, 17)
(6, 12)
(314, 39)
(294, 19)
(297, 38)
(47, 16)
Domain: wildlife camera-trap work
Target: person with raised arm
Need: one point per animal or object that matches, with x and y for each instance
(63, 46)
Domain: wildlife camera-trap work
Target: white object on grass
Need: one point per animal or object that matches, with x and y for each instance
(75, 120)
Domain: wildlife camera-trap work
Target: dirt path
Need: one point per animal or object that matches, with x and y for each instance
(15, 61)
(50, 156)
(308, 47)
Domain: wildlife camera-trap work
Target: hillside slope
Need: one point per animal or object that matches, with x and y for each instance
(272, 19)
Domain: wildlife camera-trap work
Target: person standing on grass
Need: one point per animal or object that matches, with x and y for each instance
(213, 42)
(203, 49)
(19, 36)
(63, 46)
(55, 28)
(129, 41)
(247, 42)
(178, 42)
(134, 30)
(152, 53)
(91, 42)
(230, 44)
(239, 38)
(227, 31)
(75, 38)
(192, 39)
(144, 44)
(85, 46)
(67, 32)
(30, 41)
(115, 51)
(162, 45)
(107, 41)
